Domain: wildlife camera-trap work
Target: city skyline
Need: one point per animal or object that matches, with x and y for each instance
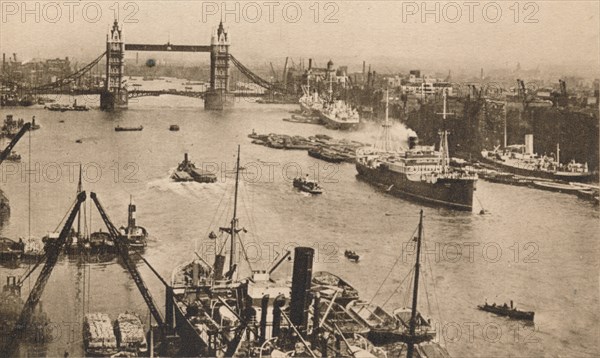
(441, 36)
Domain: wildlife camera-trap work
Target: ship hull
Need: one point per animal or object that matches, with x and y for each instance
(563, 176)
(453, 193)
(334, 124)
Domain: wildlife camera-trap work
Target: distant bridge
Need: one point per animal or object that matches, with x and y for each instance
(115, 94)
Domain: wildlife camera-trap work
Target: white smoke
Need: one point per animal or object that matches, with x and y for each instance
(371, 133)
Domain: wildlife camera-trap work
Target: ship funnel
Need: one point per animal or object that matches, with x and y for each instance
(218, 267)
(301, 282)
(412, 141)
(277, 304)
(195, 273)
(185, 157)
(310, 63)
(264, 307)
(131, 215)
(528, 143)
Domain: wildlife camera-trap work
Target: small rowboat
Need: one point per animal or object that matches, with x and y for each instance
(424, 331)
(128, 129)
(351, 255)
(334, 314)
(384, 328)
(329, 284)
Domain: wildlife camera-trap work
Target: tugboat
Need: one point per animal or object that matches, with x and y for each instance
(136, 235)
(505, 310)
(173, 127)
(307, 185)
(351, 255)
(34, 125)
(58, 108)
(419, 173)
(187, 171)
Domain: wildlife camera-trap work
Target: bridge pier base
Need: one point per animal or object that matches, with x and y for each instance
(110, 101)
(218, 100)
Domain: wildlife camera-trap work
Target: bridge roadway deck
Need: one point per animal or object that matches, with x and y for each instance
(167, 48)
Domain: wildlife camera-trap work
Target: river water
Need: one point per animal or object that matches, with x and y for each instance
(537, 248)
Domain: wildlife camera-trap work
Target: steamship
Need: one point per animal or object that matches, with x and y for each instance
(136, 235)
(419, 173)
(209, 303)
(519, 159)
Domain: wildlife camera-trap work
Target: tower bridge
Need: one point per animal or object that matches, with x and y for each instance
(115, 95)
(218, 95)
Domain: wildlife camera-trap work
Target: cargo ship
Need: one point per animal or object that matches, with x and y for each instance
(521, 160)
(419, 173)
(209, 303)
(310, 103)
(339, 115)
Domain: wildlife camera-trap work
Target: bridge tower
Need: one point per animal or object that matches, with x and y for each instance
(114, 95)
(218, 96)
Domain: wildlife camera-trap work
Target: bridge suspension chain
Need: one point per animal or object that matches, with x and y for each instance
(254, 77)
(64, 81)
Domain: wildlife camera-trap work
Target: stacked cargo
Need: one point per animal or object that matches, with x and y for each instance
(98, 335)
(130, 333)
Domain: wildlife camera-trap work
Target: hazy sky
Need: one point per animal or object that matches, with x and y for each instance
(457, 34)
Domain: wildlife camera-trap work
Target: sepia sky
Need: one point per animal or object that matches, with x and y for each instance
(452, 35)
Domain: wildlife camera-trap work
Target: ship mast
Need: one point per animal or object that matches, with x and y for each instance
(330, 87)
(505, 115)
(386, 125)
(234, 219)
(79, 190)
(444, 137)
(413, 313)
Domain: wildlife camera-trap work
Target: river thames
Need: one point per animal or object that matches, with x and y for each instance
(539, 249)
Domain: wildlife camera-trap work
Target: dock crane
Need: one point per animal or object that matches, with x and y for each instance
(284, 75)
(275, 77)
(123, 251)
(6, 152)
(53, 249)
